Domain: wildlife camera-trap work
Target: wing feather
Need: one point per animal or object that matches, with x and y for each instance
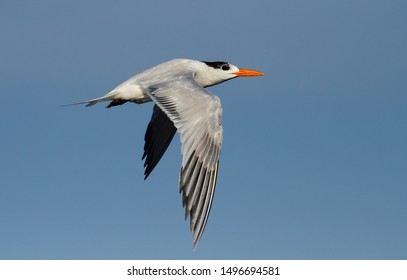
(158, 137)
(197, 115)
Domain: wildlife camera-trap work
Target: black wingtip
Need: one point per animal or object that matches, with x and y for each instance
(116, 102)
(146, 176)
(159, 134)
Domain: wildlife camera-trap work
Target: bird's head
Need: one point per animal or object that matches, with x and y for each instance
(212, 73)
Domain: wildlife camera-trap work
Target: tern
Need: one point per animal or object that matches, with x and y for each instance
(177, 87)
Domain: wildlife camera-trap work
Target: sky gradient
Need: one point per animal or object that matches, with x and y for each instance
(314, 158)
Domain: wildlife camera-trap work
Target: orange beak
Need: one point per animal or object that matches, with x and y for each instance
(248, 73)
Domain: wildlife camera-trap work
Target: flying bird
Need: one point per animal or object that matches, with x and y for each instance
(177, 87)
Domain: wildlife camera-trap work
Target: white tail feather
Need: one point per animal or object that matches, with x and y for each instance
(91, 102)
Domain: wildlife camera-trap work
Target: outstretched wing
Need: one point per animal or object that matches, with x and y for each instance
(197, 115)
(159, 134)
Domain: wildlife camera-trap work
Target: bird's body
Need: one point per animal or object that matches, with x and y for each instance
(182, 104)
(134, 89)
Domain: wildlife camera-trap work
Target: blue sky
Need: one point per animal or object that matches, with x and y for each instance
(314, 158)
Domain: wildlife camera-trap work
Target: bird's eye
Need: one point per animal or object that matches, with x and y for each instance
(225, 67)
